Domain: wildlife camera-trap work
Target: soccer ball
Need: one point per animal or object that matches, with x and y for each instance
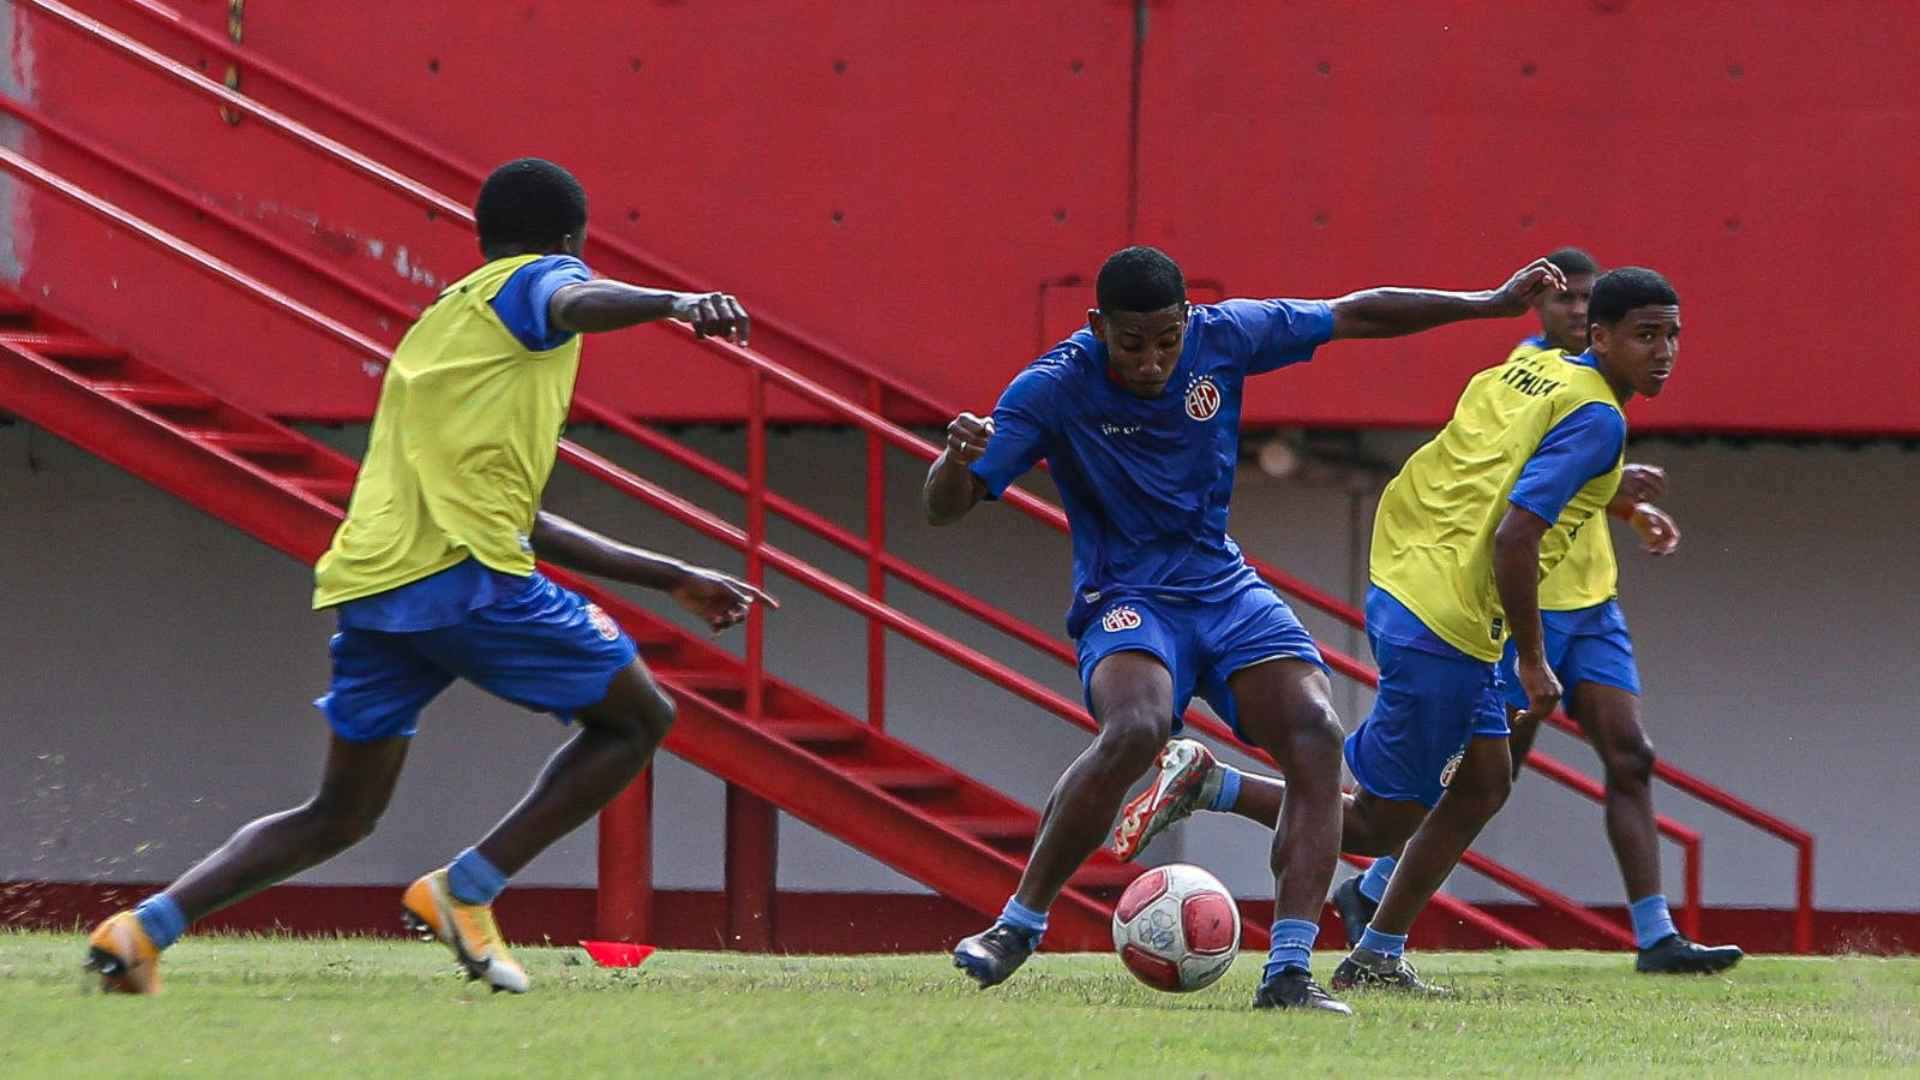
(1176, 928)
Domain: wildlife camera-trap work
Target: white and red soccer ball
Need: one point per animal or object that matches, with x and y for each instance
(1176, 928)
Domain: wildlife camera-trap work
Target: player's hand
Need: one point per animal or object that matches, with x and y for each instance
(721, 599)
(1643, 483)
(713, 314)
(967, 437)
(1658, 533)
(1542, 687)
(1527, 287)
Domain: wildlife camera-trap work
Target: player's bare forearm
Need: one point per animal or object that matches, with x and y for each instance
(951, 490)
(1393, 312)
(1385, 313)
(576, 547)
(603, 305)
(1516, 576)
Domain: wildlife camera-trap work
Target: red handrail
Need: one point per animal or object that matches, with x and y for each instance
(806, 390)
(657, 266)
(606, 471)
(879, 562)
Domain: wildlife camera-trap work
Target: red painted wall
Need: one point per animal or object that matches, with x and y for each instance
(916, 181)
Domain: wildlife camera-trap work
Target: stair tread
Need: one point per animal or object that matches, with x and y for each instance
(818, 731)
(252, 442)
(64, 346)
(994, 827)
(150, 393)
(903, 777)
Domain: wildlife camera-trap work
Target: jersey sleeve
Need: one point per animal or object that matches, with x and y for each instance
(522, 302)
(1585, 444)
(1022, 422)
(1275, 333)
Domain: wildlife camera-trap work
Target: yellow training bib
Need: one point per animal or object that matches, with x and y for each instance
(463, 441)
(1589, 574)
(1433, 535)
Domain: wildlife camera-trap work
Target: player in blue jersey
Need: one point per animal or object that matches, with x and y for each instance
(1138, 416)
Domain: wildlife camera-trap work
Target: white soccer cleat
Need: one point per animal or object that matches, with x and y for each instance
(1189, 777)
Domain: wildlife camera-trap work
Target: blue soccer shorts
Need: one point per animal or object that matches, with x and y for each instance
(1428, 709)
(1201, 644)
(1590, 645)
(542, 647)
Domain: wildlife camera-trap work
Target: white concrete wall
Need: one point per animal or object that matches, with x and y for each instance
(157, 669)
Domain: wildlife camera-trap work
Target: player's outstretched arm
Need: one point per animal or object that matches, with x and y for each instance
(721, 599)
(595, 307)
(952, 489)
(1390, 312)
(1516, 575)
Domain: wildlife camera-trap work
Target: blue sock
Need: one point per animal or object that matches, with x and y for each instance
(1651, 919)
(1292, 946)
(162, 919)
(1021, 917)
(1385, 944)
(1229, 792)
(474, 880)
(1373, 883)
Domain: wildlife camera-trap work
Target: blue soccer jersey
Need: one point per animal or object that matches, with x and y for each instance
(1146, 482)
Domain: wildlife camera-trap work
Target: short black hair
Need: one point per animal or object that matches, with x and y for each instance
(1573, 260)
(1139, 278)
(1620, 291)
(529, 204)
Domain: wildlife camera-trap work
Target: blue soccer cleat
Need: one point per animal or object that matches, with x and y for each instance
(993, 954)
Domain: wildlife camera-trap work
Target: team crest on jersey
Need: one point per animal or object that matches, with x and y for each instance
(1120, 618)
(603, 623)
(1452, 766)
(1203, 398)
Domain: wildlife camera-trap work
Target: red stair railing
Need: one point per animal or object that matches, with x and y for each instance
(879, 386)
(297, 132)
(661, 499)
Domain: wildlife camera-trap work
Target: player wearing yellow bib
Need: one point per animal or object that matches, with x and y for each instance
(1591, 653)
(432, 578)
(1464, 535)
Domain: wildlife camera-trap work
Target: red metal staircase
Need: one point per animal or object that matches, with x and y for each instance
(822, 738)
(900, 806)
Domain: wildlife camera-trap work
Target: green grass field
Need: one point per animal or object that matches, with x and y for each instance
(249, 1007)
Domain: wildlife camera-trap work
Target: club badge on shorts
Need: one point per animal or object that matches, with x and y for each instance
(603, 623)
(1120, 617)
(1452, 766)
(1203, 398)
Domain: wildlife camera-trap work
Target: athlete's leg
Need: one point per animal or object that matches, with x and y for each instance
(1368, 825)
(1479, 788)
(1610, 717)
(1285, 708)
(355, 785)
(1132, 697)
(617, 738)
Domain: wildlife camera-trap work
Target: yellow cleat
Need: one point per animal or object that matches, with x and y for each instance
(467, 929)
(120, 950)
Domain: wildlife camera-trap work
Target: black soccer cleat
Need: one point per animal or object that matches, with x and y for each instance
(993, 954)
(1356, 911)
(1294, 988)
(1675, 955)
(1365, 969)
